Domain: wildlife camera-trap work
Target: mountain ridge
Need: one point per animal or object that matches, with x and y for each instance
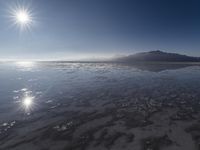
(158, 56)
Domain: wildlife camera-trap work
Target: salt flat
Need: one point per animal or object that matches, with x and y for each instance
(99, 106)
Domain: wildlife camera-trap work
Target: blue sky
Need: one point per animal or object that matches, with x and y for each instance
(75, 29)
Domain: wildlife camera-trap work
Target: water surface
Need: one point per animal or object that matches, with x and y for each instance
(87, 106)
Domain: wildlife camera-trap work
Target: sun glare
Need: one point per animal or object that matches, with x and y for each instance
(22, 16)
(25, 63)
(27, 101)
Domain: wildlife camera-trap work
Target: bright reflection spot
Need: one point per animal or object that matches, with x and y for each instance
(27, 102)
(25, 63)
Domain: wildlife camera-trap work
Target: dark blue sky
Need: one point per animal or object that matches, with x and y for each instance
(86, 28)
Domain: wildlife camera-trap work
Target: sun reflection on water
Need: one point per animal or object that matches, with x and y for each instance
(25, 63)
(27, 102)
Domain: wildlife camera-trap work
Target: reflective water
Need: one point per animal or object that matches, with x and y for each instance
(61, 106)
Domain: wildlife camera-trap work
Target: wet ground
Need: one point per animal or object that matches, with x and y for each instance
(99, 106)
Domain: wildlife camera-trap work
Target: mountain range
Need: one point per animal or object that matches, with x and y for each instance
(157, 56)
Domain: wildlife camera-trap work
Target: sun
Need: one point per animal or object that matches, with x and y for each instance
(22, 17)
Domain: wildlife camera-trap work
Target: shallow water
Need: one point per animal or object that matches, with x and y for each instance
(77, 106)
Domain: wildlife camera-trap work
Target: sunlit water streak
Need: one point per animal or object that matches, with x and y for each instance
(26, 65)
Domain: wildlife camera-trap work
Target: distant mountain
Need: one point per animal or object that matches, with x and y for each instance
(158, 56)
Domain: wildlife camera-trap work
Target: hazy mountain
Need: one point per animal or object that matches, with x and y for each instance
(158, 56)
